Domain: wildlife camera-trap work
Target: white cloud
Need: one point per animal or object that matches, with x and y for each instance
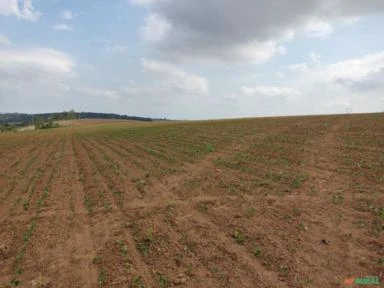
(363, 74)
(155, 29)
(101, 93)
(255, 52)
(270, 91)
(351, 20)
(315, 58)
(22, 10)
(66, 15)
(35, 78)
(358, 69)
(239, 31)
(318, 29)
(32, 64)
(174, 77)
(116, 49)
(299, 67)
(62, 27)
(4, 40)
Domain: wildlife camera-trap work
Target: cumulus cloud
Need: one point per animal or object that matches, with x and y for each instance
(155, 29)
(36, 78)
(21, 9)
(62, 27)
(365, 73)
(176, 78)
(66, 15)
(34, 64)
(241, 30)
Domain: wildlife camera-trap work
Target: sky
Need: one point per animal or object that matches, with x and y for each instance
(192, 59)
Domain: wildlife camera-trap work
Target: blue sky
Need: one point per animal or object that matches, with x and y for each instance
(192, 59)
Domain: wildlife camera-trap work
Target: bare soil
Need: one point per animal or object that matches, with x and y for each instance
(269, 202)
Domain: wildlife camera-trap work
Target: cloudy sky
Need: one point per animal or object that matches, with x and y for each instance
(192, 59)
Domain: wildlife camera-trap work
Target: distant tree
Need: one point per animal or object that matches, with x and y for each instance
(71, 114)
(42, 123)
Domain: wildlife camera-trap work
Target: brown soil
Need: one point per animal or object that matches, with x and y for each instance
(272, 202)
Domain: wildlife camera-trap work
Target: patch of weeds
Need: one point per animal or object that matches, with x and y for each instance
(359, 222)
(337, 198)
(257, 252)
(380, 261)
(232, 189)
(275, 177)
(209, 147)
(298, 181)
(239, 237)
(107, 206)
(137, 282)
(102, 278)
(203, 207)
(380, 212)
(219, 274)
(302, 226)
(41, 200)
(149, 234)
(145, 244)
(19, 271)
(88, 204)
(377, 227)
(26, 206)
(123, 248)
(304, 281)
(97, 259)
(284, 270)
(29, 232)
(162, 280)
(250, 212)
(14, 282)
(119, 195)
(189, 271)
(140, 185)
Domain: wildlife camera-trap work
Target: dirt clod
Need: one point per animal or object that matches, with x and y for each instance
(181, 279)
(325, 242)
(41, 282)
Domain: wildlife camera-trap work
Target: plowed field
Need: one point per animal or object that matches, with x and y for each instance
(269, 202)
